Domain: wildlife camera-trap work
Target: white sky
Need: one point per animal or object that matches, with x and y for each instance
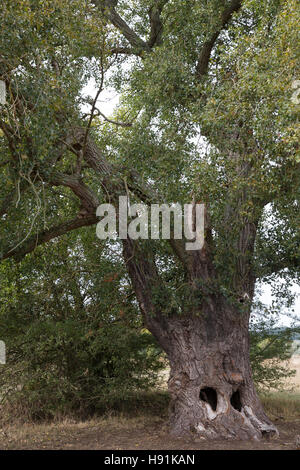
(106, 102)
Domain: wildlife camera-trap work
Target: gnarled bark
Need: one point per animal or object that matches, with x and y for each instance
(211, 386)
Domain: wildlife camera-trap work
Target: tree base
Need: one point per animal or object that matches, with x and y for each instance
(211, 386)
(215, 414)
(242, 425)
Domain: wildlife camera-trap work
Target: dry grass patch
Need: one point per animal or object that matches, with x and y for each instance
(143, 426)
(282, 405)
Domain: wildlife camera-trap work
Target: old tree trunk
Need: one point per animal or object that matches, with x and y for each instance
(211, 386)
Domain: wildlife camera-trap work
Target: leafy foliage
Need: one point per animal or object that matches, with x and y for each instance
(75, 341)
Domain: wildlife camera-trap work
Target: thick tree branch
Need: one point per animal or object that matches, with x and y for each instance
(205, 54)
(146, 281)
(110, 178)
(88, 199)
(107, 7)
(156, 24)
(46, 235)
(138, 45)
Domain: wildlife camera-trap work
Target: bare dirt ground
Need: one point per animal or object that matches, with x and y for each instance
(129, 434)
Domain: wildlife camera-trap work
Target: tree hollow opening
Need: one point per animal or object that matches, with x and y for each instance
(209, 395)
(235, 401)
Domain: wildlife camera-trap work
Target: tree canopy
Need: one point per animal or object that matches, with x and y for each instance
(207, 113)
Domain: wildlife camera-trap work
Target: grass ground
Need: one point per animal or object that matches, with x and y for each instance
(146, 431)
(282, 405)
(141, 423)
